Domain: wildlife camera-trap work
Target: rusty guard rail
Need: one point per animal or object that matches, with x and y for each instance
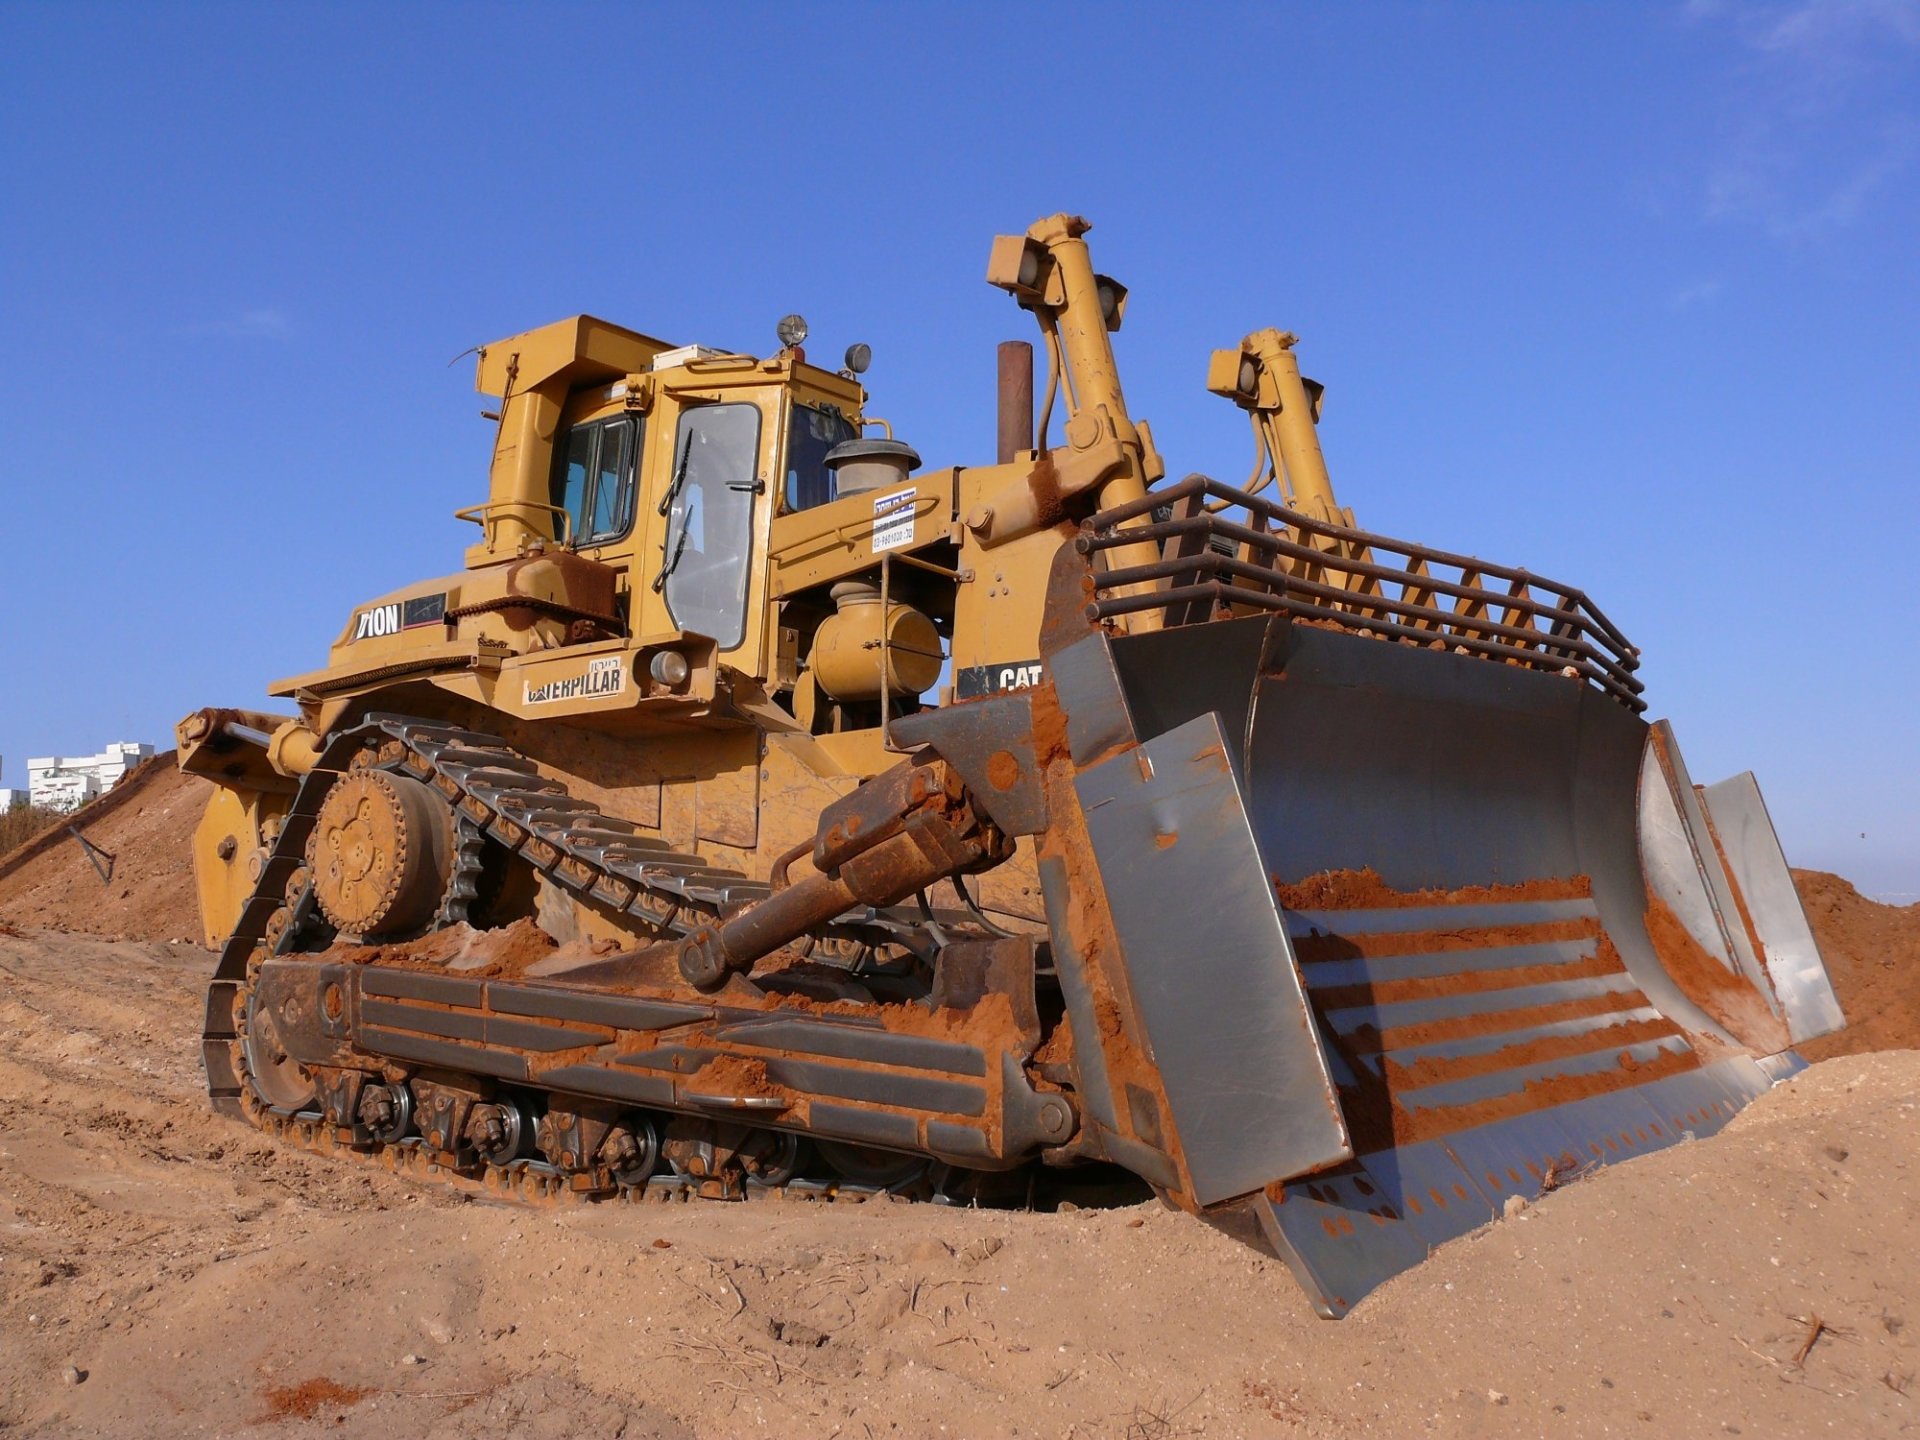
(1279, 559)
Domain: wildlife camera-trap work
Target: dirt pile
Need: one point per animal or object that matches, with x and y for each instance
(145, 823)
(475, 954)
(170, 1273)
(1873, 953)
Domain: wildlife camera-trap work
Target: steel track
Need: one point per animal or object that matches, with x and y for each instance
(494, 793)
(535, 1183)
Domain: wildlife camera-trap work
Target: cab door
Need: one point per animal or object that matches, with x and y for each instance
(705, 572)
(708, 545)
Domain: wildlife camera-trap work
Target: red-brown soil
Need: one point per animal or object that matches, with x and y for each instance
(1873, 954)
(1365, 890)
(472, 954)
(146, 823)
(1709, 984)
(309, 1397)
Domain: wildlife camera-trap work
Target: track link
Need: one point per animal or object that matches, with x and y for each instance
(532, 1182)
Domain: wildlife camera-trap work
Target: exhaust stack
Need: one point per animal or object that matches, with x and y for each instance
(1015, 410)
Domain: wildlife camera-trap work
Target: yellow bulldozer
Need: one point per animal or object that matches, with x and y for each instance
(757, 811)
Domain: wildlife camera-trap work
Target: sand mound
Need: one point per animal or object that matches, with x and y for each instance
(146, 824)
(1873, 953)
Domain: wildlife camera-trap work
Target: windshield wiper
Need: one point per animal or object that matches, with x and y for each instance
(679, 472)
(673, 549)
(673, 560)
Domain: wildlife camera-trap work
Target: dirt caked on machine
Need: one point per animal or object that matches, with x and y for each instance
(759, 812)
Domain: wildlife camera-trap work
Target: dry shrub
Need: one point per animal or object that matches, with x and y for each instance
(23, 822)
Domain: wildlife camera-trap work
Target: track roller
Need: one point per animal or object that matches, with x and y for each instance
(500, 1131)
(631, 1152)
(864, 1165)
(723, 1160)
(387, 1112)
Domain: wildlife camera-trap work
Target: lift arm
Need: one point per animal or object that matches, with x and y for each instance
(1108, 458)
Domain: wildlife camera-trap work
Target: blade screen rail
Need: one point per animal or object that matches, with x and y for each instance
(1279, 559)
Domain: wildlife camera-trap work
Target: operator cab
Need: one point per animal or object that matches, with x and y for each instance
(707, 546)
(659, 476)
(734, 513)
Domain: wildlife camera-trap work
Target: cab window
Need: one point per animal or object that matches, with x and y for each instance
(593, 480)
(813, 431)
(709, 505)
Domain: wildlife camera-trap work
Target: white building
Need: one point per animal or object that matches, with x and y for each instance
(66, 782)
(10, 798)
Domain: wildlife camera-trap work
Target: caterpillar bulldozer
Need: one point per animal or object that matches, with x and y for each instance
(759, 813)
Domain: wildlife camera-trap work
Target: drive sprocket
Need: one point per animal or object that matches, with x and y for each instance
(381, 854)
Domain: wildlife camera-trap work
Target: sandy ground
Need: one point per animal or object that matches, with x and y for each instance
(168, 1272)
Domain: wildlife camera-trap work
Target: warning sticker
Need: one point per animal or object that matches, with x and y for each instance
(893, 520)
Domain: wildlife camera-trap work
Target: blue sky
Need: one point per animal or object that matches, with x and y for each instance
(1626, 294)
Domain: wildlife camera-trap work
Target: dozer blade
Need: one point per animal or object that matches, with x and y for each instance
(1228, 1025)
(1743, 832)
(1507, 934)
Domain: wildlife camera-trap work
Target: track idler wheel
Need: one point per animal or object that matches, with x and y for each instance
(277, 1076)
(381, 854)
